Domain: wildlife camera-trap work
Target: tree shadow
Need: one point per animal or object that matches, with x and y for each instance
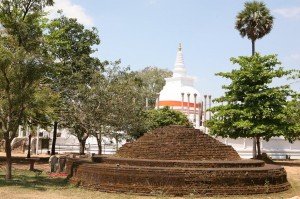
(29, 180)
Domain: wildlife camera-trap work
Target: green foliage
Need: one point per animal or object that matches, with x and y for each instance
(153, 81)
(115, 102)
(23, 62)
(22, 18)
(293, 117)
(252, 106)
(23, 65)
(71, 46)
(21, 73)
(255, 21)
(164, 117)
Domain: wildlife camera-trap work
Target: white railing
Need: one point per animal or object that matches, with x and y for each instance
(89, 148)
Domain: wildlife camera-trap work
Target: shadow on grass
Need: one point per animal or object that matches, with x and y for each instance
(29, 180)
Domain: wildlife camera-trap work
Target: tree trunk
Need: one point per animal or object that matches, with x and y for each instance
(254, 140)
(82, 146)
(8, 175)
(258, 147)
(54, 138)
(253, 47)
(117, 142)
(99, 143)
(29, 146)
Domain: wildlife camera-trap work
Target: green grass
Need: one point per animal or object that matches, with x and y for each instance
(26, 184)
(29, 180)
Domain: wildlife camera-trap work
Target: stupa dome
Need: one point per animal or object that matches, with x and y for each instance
(171, 96)
(179, 92)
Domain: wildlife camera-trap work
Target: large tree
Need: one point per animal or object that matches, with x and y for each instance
(23, 64)
(72, 47)
(255, 21)
(115, 102)
(252, 106)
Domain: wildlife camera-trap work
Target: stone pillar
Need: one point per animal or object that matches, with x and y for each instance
(188, 112)
(61, 163)
(157, 101)
(53, 163)
(204, 113)
(147, 103)
(209, 106)
(182, 102)
(200, 113)
(195, 97)
(20, 131)
(27, 130)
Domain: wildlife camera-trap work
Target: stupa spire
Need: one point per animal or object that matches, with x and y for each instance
(179, 70)
(179, 48)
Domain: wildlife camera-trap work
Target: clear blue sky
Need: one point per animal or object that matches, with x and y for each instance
(147, 33)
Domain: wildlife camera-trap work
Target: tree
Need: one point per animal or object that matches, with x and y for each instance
(164, 117)
(253, 107)
(71, 46)
(293, 118)
(293, 110)
(97, 105)
(23, 64)
(22, 18)
(255, 21)
(153, 81)
(115, 102)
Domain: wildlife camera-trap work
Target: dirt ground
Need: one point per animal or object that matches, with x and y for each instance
(293, 170)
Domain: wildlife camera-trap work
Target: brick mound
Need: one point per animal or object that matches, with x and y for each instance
(177, 161)
(178, 143)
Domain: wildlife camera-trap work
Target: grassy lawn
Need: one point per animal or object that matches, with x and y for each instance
(26, 184)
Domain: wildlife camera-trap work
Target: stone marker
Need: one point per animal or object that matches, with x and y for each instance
(61, 163)
(53, 161)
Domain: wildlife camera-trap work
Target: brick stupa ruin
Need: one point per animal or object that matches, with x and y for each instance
(177, 161)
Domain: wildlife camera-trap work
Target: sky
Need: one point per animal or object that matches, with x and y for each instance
(145, 33)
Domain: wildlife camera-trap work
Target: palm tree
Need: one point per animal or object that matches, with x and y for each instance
(255, 21)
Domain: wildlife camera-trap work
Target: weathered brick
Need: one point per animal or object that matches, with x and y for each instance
(177, 161)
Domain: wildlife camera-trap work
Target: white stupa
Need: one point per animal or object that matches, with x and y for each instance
(179, 92)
